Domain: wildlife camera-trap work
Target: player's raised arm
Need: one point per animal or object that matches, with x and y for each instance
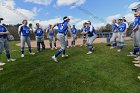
(53, 26)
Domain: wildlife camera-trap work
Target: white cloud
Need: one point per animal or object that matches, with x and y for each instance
(98, 25)
(80, 23)
(133, 5)
(13, 15)
(42, 2)
(69, 2)
(110, 18)
(129, 17)
(45, 23)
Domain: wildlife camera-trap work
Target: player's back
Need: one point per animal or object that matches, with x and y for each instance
(62, 27)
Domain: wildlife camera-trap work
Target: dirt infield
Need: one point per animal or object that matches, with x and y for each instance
(78, 42)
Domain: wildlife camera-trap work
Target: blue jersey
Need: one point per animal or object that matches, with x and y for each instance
(136, 22)
(115, 27)
(25, 30)
(122, 27)
(73, 30)
(51, 33)
(90, 30)
(62, 27)
(39, 32)
(3, 29)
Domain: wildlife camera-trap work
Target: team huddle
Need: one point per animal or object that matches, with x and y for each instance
(24, 31)
(119, 30)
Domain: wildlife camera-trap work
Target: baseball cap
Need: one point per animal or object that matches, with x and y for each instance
(1, 19)
(121, 18)
(66, 18)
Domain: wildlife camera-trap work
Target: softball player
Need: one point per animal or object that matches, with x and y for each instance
(39, 37)
(62, 29)
(91, 36)
(115, 33)
(136, 30)
(74, 32)
(51, 35)
(24, 33)
(85, 35)
(121, 34)
(4, 43)
(136, 20)
(135, 35)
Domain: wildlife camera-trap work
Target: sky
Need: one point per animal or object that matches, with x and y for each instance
(99, 12)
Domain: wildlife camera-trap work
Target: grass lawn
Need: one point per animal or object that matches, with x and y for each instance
(105, 71)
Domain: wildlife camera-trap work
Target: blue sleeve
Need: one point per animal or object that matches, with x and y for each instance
(139, 21)
(5, 29)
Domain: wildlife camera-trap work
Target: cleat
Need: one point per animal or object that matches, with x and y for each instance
(119, 50)
(51, 48)
(137, 65)
(136, 62)
(22, 55)
(55, 59)
(11, 60)
(1, 69)
(138, 58)
(32, 53)
(89, 53)
(1, 64)
(93, 48)
(55, 48)
(65, 55)
(112, 47)
(139, 77)
(131, 55)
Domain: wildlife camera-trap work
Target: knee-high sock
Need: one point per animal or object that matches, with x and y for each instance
(114, 44)
(90, 47)
(55, 44)
(38, 46)
(73, 42)
(43, 45)
(58, 52)
(8, 56)
(121, 45)
(64, 52)
(30, 50)
(22, 50)
(67, 43)
(136, 50)
(50, 45)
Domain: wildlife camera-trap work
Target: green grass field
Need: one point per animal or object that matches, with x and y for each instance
(105, 71)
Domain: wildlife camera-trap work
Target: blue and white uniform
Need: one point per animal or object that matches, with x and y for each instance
(74, 32)
(121, 34)
(4, 42)
(136, 35)
(115, 34)
(62, 32)
(39, 38)
(25, 37)
(91, 37)
(51, 35)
